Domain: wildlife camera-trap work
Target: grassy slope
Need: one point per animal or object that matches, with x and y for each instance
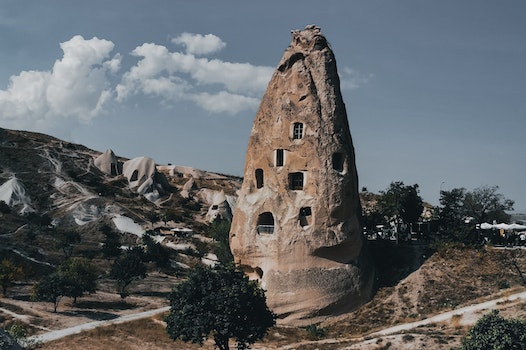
(449, 278)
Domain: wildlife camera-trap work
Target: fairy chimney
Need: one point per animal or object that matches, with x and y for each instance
(296, 224)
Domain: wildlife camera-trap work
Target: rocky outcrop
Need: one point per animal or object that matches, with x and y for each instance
(142, 176)
(296, 224)
(13, 193)
(108, 163)
(220, 204)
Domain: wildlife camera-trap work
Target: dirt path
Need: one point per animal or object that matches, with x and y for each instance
(61, 333)
(468, 315)
(464, 316)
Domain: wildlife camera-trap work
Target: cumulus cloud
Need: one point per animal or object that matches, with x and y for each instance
(352, 79)
(215, 85)
(79, 86)
(225, 102)
(198, 44)
(76, 88)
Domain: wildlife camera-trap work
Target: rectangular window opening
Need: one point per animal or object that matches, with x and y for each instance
(297, 131)
(296, 181)
(280, 157)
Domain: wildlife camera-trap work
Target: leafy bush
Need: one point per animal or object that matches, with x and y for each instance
(219, 302)
(493, 332)
(127, 268)
(315, 332)
(219, 231)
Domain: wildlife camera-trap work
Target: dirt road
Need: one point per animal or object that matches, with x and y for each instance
(467, 315)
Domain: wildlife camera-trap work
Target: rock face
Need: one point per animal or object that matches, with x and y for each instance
(296, 224)
(142, 175)
(13, 193)
(108, 163)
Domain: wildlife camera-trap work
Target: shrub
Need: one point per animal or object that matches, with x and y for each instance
(493, 332)
(219, 302)
(315, 332)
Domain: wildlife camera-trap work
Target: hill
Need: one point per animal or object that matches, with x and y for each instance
(50, 186)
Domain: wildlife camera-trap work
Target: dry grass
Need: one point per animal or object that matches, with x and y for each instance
(450, 278)
(151, 334)
(142, 334)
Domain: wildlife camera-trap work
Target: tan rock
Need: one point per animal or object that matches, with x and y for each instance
(296, 224)
(143, 177)
(108, 163)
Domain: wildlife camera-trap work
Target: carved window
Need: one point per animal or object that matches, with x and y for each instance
(113, 169)
(296, 181)
(135, 175)
(259, 178)
(297, 131)
(305, 216)
(280, 157)
(337, 161)
(266, 222)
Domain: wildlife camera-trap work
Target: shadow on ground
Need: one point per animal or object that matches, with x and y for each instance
(394, 262)
(93, 315)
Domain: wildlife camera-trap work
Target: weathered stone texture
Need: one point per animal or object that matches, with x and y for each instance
(296, 224)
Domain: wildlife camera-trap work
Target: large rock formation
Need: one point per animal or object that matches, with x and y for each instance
(296, 224)
(108, 163)
(142, 176)
(13, 193)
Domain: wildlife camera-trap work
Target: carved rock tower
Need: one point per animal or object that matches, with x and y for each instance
(296, 223)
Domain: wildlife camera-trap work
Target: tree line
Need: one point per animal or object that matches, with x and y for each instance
(402, 204)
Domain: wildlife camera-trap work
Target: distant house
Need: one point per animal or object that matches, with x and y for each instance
(182, 232)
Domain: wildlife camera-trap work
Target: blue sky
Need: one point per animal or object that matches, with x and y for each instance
(435, 90)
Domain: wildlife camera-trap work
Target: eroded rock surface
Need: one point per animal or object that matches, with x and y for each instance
(108, 163)
(296, 224)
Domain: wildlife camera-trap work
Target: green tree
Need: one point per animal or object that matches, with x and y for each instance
(155, 252)
(80, 276)
(485, 204)
(220, 302)
(401, 201)
(127, 268)
(66, 240)
(493, 332)
(219, 230)
(9, 273)
(111, 247)
(451, 215)
(51, 288)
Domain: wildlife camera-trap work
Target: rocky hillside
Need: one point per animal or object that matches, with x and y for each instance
(48, 185)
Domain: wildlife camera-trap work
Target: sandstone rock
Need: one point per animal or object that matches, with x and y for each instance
(142, 176)
(13, 193)
(296, 224)
(188, 187)
(108, 163)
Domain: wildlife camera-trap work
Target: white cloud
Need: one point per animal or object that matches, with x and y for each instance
(352, 79)
(198, 44)
(182, 76)
(224, 102)
(76, 88)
